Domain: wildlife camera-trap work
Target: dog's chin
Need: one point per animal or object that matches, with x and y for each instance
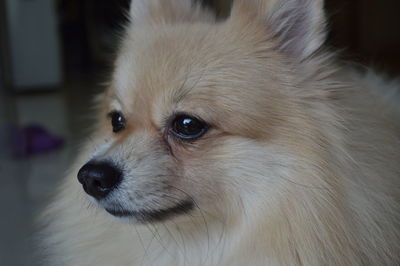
(152, 216)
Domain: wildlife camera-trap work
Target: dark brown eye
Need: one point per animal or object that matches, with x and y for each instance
(187, 127)
(117, 121)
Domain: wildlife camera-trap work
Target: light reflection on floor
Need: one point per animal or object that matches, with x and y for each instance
(26, 183)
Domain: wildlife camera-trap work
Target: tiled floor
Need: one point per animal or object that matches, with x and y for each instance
(26, 183)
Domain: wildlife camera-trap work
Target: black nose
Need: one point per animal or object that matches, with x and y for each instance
(99, 178)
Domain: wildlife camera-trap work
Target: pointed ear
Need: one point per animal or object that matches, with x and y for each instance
(167, 12)
(298, 25)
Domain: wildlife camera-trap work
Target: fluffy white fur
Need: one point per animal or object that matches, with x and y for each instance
(301, 166)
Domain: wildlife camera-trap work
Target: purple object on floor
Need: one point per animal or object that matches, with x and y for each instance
(34, 139)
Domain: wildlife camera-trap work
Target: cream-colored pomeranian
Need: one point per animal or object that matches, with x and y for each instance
(235, 142)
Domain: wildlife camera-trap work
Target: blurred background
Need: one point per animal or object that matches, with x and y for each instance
(54, 56)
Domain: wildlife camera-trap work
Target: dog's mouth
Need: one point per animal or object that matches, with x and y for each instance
(154, 215)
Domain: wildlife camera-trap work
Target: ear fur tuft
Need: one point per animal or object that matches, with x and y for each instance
(298, 25)
(168, 12)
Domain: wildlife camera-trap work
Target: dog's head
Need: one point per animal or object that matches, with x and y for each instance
(209, 115)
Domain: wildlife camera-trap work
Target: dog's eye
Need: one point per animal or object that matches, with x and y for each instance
(117, 121)
(187, 127)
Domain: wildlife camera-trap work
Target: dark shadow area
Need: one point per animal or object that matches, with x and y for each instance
(367, 31)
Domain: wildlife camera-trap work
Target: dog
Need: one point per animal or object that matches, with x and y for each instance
(242, 141)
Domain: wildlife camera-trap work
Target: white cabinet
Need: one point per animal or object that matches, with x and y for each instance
(34, 44)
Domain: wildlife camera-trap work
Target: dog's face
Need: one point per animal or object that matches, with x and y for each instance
(202, 117)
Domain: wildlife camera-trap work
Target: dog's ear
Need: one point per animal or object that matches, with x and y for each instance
(167, 12)
(298, 25)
